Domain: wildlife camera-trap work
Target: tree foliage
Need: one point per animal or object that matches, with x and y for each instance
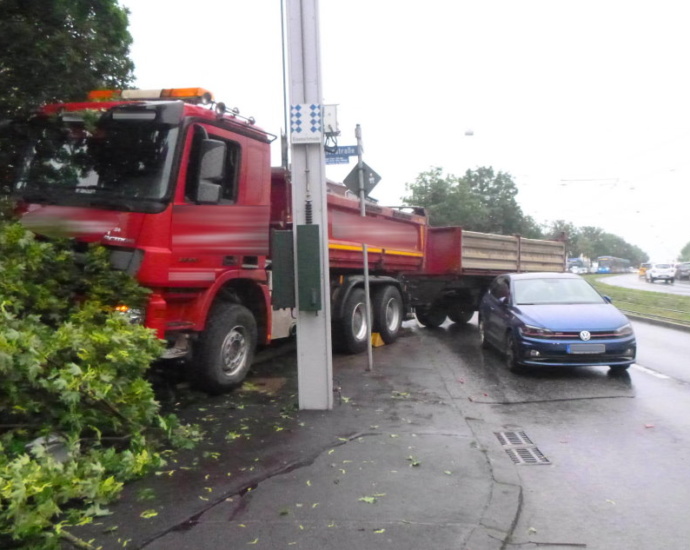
(592, 242)
(71, 379)
(57, 50)
(481, 200)
(54, 50)
(485, 200)
(685, 253)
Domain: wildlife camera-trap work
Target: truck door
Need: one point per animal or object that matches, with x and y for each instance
(221, 214)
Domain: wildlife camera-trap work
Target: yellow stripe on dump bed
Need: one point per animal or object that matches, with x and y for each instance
(355, 248)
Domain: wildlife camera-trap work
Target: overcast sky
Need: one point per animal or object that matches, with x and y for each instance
(586, 103)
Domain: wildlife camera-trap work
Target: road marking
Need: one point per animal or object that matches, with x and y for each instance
(651, 372)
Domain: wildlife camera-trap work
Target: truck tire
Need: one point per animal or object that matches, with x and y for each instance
(225, 350)
(432, 317)
(352, 326)
(387, 310)
(460, 315)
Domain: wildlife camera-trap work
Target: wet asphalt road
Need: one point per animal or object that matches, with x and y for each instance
(617, 446)
(631, 280)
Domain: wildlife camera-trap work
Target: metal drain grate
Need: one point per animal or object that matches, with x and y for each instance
(513, 438)
(520, 448)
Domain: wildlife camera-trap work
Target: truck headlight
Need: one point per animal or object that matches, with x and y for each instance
(133, 315)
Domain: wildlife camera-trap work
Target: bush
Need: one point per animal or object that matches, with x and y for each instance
(77, 416)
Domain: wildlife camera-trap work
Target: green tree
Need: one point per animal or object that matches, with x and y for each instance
(57, 50)
(497, 194)
(561, 229)
(448, 200)
(481, 200)
(54, 50)
(685, 253)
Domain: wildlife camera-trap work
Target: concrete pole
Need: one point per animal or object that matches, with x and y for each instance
(314, 361)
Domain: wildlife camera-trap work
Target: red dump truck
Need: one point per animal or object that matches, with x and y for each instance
(181, 191)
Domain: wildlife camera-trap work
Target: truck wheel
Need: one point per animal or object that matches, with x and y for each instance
(225, 349)
(460, 315)
(387, 309)
(352, 328)
(432, 317)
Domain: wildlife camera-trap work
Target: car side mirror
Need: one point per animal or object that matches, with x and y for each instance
(608, 299)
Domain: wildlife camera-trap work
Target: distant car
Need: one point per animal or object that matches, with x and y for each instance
(660, 272)
(683, 270)
(554, 320)
(643, 269)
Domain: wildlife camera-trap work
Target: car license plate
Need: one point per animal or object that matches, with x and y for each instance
(586, 348)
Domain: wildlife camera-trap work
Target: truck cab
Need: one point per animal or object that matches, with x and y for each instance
(179, 190)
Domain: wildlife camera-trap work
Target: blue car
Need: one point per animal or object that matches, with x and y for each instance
(554, 320)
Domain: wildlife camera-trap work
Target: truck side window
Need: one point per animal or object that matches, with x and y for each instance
(229, 185)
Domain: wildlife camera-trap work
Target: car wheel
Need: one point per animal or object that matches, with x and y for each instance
(618, 369)
(510, 351)
(482, 334)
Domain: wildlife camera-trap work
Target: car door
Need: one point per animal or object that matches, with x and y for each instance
(496, 311)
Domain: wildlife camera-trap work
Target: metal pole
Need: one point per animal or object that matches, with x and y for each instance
(365, 248)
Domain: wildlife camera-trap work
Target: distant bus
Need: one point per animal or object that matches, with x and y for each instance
(610, 264)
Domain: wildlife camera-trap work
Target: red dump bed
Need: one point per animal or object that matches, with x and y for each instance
(395, 239)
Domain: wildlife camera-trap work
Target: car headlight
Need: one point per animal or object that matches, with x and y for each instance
(536, 332)
(625, 330)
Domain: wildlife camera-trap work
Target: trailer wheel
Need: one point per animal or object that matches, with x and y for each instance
(352, 326)
(387, 308)
(432, 317)
(226, 348)
(460, 315)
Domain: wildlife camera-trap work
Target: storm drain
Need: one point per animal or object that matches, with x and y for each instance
(520, 448)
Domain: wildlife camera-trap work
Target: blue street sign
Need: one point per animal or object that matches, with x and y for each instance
(337, 159)
(343, 151)
(350, 150)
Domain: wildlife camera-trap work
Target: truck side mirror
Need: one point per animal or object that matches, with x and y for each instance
(211, 171)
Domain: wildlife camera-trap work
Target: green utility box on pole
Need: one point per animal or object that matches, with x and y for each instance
(308, 268)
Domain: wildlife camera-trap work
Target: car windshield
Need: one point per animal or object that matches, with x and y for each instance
(555, 291)
(118, 161)
(663, 266)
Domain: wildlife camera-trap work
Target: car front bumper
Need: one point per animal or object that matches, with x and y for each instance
(566, 353)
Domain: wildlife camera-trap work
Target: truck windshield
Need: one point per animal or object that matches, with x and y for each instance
(120, 160)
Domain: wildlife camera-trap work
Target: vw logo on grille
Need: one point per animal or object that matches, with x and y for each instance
(585, 335)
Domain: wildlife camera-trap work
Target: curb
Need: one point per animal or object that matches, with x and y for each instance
(503, 510)
(658, 322)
